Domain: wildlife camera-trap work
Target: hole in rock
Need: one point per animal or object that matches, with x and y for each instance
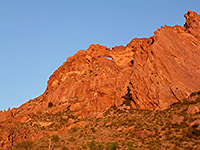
(110, 58)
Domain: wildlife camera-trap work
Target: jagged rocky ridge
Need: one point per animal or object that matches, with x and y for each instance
(149, 73)
(154, 72)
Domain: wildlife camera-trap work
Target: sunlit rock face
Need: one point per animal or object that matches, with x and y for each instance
(153, 73)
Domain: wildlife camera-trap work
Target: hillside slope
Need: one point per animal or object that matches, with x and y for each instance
(123, 127)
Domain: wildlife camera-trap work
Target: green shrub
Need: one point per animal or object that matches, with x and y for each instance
(65, 148)
(50, 104)
(193, 94)
(24, 145)
(198, 99)
(71, 139)
(193, 133)
(129, 145)
(92, 145)
(196, 132)
(100, 146)
(186, 101)
(198, 92)
(55, 138)
(74, 129)
(112, 146)
(114, 107)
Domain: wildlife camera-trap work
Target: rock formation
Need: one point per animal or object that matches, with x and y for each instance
(151, 73)
(148, 73)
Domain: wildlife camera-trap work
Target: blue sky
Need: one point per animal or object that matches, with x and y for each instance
(37, 36)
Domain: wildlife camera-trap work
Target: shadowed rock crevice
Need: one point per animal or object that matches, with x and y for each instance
(128, 98)
(174, 94)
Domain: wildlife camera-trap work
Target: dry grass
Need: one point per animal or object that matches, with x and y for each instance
(127, 129)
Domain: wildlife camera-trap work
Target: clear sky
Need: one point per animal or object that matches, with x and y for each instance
(37, 36)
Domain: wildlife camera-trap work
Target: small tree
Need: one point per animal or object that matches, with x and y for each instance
(112, 146)
(55, 138)
(50, 104)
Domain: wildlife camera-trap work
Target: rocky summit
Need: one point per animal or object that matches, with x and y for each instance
(148, 74)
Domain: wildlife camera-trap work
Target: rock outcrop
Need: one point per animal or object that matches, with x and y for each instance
(151, 73)
(148, 73)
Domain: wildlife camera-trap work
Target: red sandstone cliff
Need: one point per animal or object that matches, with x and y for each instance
(156, 72)
(151, 73)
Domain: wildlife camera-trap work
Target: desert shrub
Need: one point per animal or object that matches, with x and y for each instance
(193, 94)
(92, 145)
(186, 101)
(129, 145)
(74, 129)
(183, 125)
(196, 132)
(24, 145)
(71, 139)
(112, 146)
(163, 129)
(42, 128)
(193, 133)
(195, 125)
(55, 138)
(65, 148)
(127, 102)
(198, 99)
(50, 104)
(100, 146)
(114, 107)
(198, 92)
(107, 112)
(93, 129)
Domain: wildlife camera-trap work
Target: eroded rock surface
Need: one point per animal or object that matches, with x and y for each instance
(152, 73)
